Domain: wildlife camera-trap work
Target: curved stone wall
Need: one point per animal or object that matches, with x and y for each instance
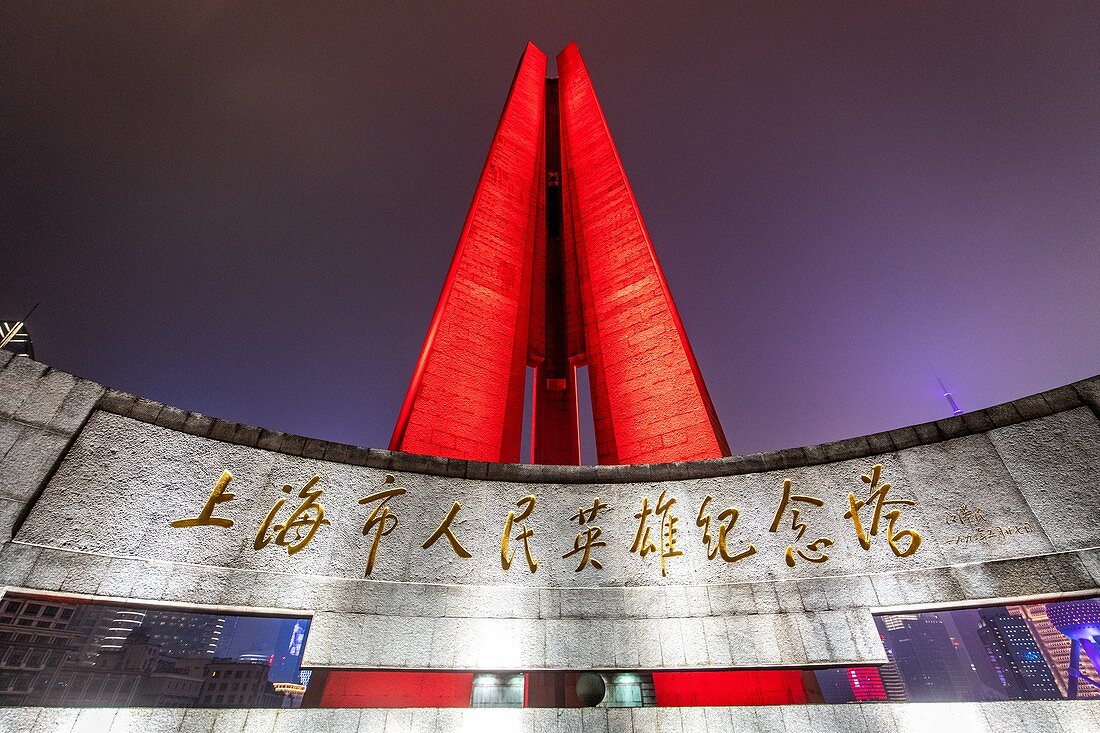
(1004, 501)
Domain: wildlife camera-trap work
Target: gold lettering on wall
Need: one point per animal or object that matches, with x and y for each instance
(717, 546)
(811, 552)
(525, 535)
(444, 530)
(206, 516)
(666, 530)
(878, 500)
(657, 530)
(379, 517)
(310, 514)
(591, 538)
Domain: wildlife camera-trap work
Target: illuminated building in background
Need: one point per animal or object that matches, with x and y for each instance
(1056, 649)
(955, 409)
(925, 656)
(866, 683)
(892, 682)
(286, 661)
(1080, 622)
(555, 270)
(232, 684)
(175, 633)
(14, 337)
(1016, 656)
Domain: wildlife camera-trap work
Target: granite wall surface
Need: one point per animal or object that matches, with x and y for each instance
(91, 479)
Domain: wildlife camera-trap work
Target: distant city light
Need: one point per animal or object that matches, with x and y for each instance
(955, 409)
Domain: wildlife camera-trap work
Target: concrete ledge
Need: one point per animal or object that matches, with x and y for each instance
(811, 621)
(49, 569)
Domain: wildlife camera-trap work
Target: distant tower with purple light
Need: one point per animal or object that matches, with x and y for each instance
(955, 409)
(1080, 621)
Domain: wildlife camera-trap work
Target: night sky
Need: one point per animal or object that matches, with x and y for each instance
(247, 209)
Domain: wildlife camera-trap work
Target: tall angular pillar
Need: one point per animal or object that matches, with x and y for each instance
(648, 396)
(554, 270)
(466, 395)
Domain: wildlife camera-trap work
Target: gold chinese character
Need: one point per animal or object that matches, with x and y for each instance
(591, 537)
(528, 504)
(878, 498)
(311, 514)
(643, 545)
(378, 518)
(714, 549)
(445, 529)
(814, 547)
(587, 515)
(206, 516)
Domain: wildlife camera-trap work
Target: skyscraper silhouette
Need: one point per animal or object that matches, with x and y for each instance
(1016, 656)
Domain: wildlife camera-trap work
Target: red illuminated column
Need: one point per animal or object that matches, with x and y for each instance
(466, 395)
(649, 399)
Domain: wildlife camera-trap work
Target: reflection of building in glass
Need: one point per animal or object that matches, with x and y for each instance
(925, 656)
(892, 681)
(64, 652)
(850, 684)
(254, 658)
(291, 692)
(231, 684)
(1015, 655)
(61, 652)
(288, 652)
(866, 683)
(1080, 622)
(34, 639)
(833, 684)
(184, 634)
(117, 630)
(896, 621)
(962, 625)
(1056, 648)
(106, 629)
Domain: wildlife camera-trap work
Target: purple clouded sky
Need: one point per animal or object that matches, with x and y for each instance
(248, 210)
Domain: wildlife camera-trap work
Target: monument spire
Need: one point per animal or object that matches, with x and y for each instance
(555, 270)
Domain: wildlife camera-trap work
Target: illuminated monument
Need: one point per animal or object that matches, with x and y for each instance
(555, 269)
(441, 574)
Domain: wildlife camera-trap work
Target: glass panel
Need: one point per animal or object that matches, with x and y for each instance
(1036, 651)
(106, 655)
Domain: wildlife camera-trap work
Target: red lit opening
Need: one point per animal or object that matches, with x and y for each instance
(383, 689)
(730, 687)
